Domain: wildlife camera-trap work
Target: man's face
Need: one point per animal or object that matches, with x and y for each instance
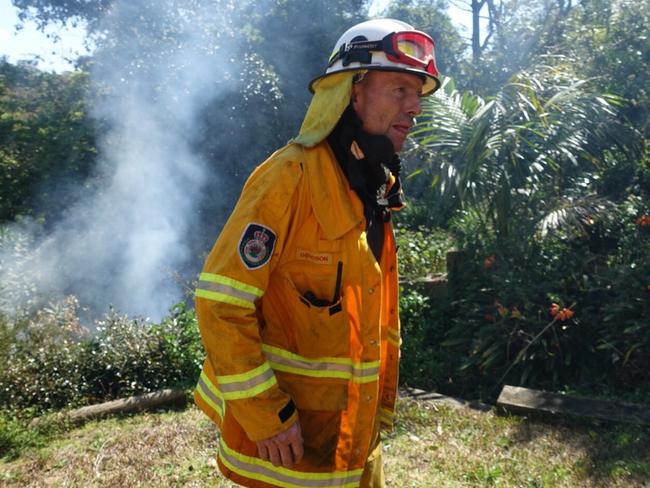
(387, 102)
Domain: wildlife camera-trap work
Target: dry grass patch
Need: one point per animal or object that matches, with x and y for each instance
(155, 449)
(432, 446)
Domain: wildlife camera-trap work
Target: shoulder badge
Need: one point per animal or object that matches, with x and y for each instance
(256, 245)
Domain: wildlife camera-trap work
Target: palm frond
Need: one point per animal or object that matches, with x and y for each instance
(575, 214)
(519, 147)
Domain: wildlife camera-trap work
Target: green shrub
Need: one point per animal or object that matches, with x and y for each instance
(549, 188)
(53, 362)
(424, 363)
(421, 251)
(497, 326)
(129, 356)
(41, 355)
(501, 327)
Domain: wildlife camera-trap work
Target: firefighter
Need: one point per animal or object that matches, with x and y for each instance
(298, 300)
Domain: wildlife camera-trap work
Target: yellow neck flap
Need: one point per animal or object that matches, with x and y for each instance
(331, 97)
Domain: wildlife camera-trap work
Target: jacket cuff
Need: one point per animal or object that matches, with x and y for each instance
(262, 419)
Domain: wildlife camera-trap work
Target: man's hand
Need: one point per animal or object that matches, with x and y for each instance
(284, 449)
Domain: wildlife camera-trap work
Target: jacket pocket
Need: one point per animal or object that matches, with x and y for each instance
(321, 330)
(320, 403)
(293, 321)
(320, 431)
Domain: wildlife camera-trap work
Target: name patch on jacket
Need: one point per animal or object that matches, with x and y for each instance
(256, 245)
(314, 257)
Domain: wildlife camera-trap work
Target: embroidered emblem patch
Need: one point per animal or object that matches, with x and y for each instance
(256, 245)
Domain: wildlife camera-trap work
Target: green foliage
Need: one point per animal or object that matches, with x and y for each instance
(522, 31)
(424, 363)
(500, 321)
(62, 12)
(524, 154)
(17, 436)
(46, 139)
(15, 256)
(610, 41)
(41, 357)
(549, 195)
(53, 362)
(421, 254)
(421, 251)
(130, 356)
(416, 350)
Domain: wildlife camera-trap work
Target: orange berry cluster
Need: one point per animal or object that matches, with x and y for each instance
(561, 313)
(643, 221)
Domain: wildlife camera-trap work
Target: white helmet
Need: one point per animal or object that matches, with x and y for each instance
(388, 45)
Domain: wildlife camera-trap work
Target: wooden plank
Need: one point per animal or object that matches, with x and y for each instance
(518, 399)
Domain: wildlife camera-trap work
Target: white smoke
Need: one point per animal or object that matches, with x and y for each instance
(161, 65)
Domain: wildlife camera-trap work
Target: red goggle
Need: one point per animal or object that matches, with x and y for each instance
(413, 48)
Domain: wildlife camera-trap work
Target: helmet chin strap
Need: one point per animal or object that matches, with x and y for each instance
(367, 161)
(377, 151)
(377, 148)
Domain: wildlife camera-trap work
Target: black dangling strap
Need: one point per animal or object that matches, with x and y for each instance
(395, 196)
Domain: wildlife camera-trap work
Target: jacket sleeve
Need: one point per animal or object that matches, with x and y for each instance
(235, 276)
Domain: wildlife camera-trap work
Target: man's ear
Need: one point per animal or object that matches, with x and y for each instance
(354, 97)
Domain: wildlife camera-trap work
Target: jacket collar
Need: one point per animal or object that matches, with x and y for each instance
(336, 206)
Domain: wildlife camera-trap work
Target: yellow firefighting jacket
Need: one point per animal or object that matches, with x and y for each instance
(294, 309)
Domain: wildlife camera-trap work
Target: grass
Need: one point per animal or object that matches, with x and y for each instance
(431, 446)
(436, 446)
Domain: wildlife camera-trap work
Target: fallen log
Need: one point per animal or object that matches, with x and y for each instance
(440, 399)
(524, 400)
(148, 401)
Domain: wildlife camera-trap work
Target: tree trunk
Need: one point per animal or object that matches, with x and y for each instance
(476, 31)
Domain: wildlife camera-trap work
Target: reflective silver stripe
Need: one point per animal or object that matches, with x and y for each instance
(357, 371)
(283, 360)
(209, 393)
(227, 290)
(260, 470)
(309, 365)
(248, 384)
(205, 389)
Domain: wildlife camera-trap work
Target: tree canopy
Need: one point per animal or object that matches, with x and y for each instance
(47, 140)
